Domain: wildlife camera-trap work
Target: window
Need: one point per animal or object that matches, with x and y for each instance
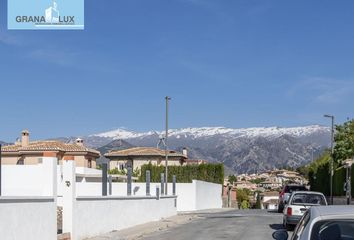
(308, 199)
(89, 163)
(290, 189)
(121, 166)
(333, 229)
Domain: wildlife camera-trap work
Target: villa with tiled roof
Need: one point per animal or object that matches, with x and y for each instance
(138, 156)
(28, 153)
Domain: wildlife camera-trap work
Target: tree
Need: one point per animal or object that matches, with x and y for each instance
(319, 170)
(245, 204)
(232, 179)
(344, 140)
(242, 195)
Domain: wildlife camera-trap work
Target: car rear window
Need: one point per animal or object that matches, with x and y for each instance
(333, 229)
(290, 189)
(308, 199)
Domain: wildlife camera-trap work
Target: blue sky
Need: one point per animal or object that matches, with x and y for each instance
(233, 63)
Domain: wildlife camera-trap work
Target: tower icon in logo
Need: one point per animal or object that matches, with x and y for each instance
(52, 13)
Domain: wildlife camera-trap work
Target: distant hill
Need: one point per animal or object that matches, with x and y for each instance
(118, 144)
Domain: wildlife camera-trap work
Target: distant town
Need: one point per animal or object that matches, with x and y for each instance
(264, 186)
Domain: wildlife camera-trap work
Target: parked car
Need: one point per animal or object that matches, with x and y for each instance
(323, 223)
(297, 205)
(286, 192)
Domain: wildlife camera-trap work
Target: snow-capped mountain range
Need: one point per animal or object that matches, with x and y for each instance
(122, 133)
(241, 150)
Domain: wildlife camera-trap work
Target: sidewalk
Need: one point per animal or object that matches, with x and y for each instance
(140, 231)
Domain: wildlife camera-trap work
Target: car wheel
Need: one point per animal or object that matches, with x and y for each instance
(280, 209)
(288, 227)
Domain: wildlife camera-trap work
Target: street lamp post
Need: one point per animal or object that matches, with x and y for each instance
(332, 151)
(166, 148)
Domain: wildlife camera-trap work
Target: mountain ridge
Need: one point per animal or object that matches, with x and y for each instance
(241, 150)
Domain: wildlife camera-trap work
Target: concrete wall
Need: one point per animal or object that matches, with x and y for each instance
(22, 180)
(28, 218)
(98, 215)
(197, 195)
(88, 216)
(208, 195)
(26, 180)
(30, 180)
(28, 202)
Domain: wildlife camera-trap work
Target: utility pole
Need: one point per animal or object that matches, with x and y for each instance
(166, 148)
(332, 153)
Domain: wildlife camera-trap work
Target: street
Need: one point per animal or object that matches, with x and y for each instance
(235, 224)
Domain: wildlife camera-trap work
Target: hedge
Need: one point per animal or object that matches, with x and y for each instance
(185, 174)
(320, 180)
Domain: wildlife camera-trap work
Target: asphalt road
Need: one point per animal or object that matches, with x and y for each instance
(236, 225)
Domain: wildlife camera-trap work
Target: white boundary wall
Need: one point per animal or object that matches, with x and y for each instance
(89, 216)
(31, 216)
(208, 195)
(30, 180)
(26, 180)
(98, 215)
(197, 195)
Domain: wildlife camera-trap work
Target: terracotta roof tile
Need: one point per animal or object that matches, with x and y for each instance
(48, 146)
(142, 151)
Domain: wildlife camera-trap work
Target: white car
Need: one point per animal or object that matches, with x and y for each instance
(297, 205)
(323, 223)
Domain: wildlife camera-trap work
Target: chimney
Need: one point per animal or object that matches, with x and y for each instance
(25, 138)
(79, 142)
(18, 142)
(185, 152)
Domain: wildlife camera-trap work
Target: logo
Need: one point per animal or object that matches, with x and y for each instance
(49, 14)
(52, 14)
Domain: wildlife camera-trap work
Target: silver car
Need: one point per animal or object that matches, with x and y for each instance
(297, 205)
(323, 223)
(285, 194)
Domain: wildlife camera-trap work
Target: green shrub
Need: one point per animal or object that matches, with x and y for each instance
(185, 174)
(242, 195)
(232, 179)
(319, 179)
(245, 204)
